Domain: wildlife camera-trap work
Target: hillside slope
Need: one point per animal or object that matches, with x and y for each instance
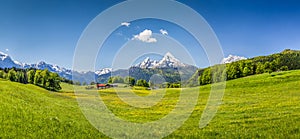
(259, 106)
(27, 111)
(286, 60)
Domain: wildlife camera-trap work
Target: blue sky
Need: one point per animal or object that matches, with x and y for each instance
(48, 30)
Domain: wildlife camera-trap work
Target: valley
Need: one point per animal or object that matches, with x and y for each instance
(259, 106)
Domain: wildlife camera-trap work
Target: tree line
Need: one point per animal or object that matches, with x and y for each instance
(171, 75)
(141, 82)
(286, 60)
(43, 78)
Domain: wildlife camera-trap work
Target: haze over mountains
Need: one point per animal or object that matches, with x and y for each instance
(167, 62)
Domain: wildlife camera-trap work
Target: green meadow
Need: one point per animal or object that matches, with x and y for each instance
(259, 106)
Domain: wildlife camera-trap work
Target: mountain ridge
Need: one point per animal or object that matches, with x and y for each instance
(167, 62)
(169, 67)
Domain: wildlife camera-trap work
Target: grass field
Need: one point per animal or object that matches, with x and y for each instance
(260, 106)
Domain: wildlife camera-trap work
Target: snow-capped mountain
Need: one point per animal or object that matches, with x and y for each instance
(103, 71)
(147, 68)
(63, 72)
(147, 63)
(232, 58)
(53, 68)
(7, 62)
(168, 61)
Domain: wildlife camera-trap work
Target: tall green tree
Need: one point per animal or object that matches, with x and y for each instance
(260, 68)
(110, 80)
(38, 78)
(246, 71)
(11, 75)
(142, 83)
(117, 79)
(129, 80)
(21, 76)
(206, 77)
(53, 82)
(2, 74)
(30, 76)
(45, 74)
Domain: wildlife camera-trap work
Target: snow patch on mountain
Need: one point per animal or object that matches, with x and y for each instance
(147, 63)
(3, 56)
(103, 71)
(7, 62)
(232, 58)
(168, 61)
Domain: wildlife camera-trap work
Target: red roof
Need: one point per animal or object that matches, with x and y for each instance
(102, 85)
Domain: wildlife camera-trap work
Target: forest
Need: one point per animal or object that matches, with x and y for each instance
(131, 81)
(286, 60)
(43, 78)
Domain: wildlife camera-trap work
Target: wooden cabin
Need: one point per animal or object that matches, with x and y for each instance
(105, 86)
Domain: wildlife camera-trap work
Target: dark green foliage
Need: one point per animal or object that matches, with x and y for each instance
(67, 81)
(11, 75)
(129, 80)
(169, 74)
(92, 83)
(260, 68)
(246, 71)
(2, 74)
(284, 68)
(47, 80)
(77, 83)
(166, 85)
(286, 60)
(206, 77)
(142, 83)
(45, 75)
(115, 79)
(37, 78)
(30, 76)
(42, 78)
(21, 77)
(118, 79)
(53, 82)
(175, 85)
(110, 80)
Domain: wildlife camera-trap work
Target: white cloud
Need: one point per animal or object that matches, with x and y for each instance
(145, 36)
(125, 24)
(164, 32)
(6, 49)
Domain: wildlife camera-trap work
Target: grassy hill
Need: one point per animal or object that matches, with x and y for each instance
(283, 61)
(28, 111)
(259, 106)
